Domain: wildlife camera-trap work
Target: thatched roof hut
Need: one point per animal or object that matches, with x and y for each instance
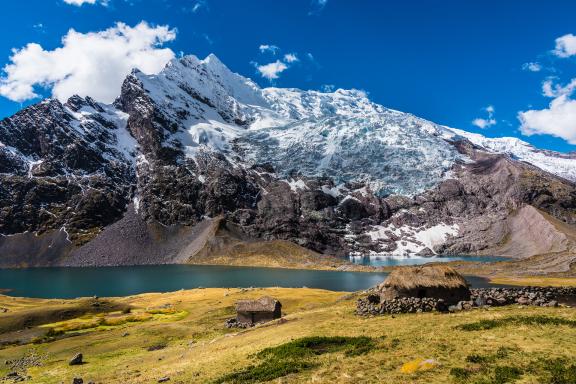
(436, 281)
(256, 311)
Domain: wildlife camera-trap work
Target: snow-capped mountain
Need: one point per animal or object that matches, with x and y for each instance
(333, 172)
(556, 163)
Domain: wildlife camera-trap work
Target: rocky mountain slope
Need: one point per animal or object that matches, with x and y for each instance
(198, 149)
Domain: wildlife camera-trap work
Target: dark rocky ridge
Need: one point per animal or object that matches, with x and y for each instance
(61, 174)
(74, 177)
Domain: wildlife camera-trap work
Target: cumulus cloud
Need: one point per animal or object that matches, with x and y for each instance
(484, 123)
(532, 67)
(79, 3)
(271, 71)
(273, 49)
(89, 64)
(565, 46)
(558, 120)
(290, 58)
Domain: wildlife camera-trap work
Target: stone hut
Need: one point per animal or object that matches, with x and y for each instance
(257, 311)
(435, 281)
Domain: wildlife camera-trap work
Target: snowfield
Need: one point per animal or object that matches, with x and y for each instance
(341, 134)
(413, 240)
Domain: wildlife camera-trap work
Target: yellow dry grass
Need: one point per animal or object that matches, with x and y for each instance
(436, 275)
(536, 281)
(198, 349)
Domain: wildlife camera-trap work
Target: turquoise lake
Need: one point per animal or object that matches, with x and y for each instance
(124, 281)
(395, 261)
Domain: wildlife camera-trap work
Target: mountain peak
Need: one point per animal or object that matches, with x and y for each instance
(214, 61)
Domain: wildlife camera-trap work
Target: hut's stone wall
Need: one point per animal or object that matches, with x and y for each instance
(258, 317)
(449, 295)
(251, 312)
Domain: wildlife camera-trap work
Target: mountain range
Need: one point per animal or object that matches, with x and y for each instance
(197, 161)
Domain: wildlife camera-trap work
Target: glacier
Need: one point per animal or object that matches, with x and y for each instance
(342, 133)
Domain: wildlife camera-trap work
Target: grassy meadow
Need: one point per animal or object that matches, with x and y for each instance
(181, 336)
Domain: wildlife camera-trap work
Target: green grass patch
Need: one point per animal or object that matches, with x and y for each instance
(486, 324)
(477, 359)
(266, 371)
(498, 368)
(319, 345)
(556, 371)
(488, 368)
(460, 374)
(297, 356)
(501, 374)
(506, 374)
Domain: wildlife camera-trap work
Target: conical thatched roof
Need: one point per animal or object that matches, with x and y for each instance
(426, 276)
(263, 304)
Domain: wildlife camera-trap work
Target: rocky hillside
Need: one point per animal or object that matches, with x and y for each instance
(198, 149)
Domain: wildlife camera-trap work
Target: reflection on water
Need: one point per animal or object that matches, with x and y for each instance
(394, 261)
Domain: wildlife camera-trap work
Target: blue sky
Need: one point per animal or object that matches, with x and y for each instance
(447, 61)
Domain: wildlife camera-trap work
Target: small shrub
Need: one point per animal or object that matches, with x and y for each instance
(503, 352)
(477, 359)
(157, 347)
(559, 371)
(506, 374)
(460, 374)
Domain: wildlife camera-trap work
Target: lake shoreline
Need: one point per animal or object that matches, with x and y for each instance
(67, 283)
(488, 273)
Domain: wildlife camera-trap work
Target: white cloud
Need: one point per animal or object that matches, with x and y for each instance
(317, 6)
(198, 5)
(93, 63)
(549, 89)
(290, 58)
(487, 122)
(532, 67)
(558, 120)
(271, 71)
(79, 3)
(483, 123)
(565, 46)
(273, 49)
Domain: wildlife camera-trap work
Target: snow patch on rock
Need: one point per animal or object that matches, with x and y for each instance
(411, 240)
